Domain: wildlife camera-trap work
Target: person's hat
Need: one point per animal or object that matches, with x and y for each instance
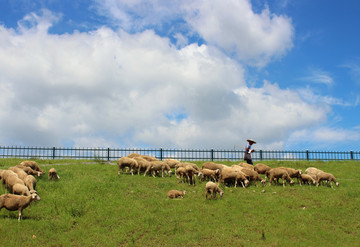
(251, 140)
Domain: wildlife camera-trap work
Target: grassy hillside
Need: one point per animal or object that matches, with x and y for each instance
(92, 206)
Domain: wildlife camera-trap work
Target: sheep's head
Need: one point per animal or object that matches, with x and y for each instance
(263, 181)
(292, 182)
(221, 193)
(337, 184)
(35, 197)
(300, 172)
(170, 173)
(246, 182)
(200, 175)
(184, 192)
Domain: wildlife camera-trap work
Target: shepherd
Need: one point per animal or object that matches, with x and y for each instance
(248, 151)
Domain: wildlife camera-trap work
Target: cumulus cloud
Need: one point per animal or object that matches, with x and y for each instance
(253, 38)
(115, 88)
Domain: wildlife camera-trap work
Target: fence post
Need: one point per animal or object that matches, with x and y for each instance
(108, 154)
(161, 154)
(261, 156)
(212, 154)
(53, 153)
(307, 154)
(351, 155)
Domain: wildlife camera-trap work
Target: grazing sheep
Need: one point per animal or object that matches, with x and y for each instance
(190, 173)
(5, 174)
(276, 173)
(181, 174)
(133, 155)
(33, 165)
(20, 172)
(246, 165)
(293, 173)
(16, 202)
(20, 189)
(229, 174)
(213, 189)
(171, 162)
(210, 174)
(13, 179)
(30, 171)
(149, 158)
(176, 193)
(126, 162)
(261, 168)
(212, 166)
(53, 174)
(328, 177)
(30, 182)
(252, 175)
(306, 178)
(157, 166)
(313, 172)
(143, 164)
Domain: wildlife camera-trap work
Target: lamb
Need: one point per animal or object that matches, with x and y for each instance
(210, 174)
(231, 175)
(261, 168)
(33, 165)
(306, 178)
(53, 174)
(126, 162)
(328, 177)
(176, 193)
(17, 202)
(276, 173)
(213, 189)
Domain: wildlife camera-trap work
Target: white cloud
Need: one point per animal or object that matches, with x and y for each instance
(319, 76)
(111, 88)
(233, 27)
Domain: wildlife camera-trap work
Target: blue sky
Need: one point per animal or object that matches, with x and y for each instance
(180, 74)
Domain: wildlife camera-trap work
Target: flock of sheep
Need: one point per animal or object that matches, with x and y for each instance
(238, 174)
(20, 181)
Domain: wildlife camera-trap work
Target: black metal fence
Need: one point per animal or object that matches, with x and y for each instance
(110, 154)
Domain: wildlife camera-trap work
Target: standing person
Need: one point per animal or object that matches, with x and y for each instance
(248, 151)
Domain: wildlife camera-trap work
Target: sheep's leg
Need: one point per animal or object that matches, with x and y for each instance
(20, 215)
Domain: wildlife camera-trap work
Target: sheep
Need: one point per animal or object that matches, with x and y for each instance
(306, 178)
(176, 193)
(133, 155)
(210, 174)
(130, 163)
(5, 174)
(20, 172)
(261, 168)
(212, 166)
(53, 174)
(30, 182)
(157, 166)
(142, 164)
(190, 173)
(33, 165)
(293, 173)
(328, 177)
(313, 172)
(17, 202)
(30, 171)
(171, 162)
(252, 175)
(237, 176)
(12, 179)
(180, 174)
(213, 188)
(149, 158)
(246, 165)
(276, 173)
(20, 189)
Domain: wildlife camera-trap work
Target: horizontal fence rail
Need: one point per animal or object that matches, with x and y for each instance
(110, 154)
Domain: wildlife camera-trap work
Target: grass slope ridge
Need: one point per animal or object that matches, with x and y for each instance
(92, 206)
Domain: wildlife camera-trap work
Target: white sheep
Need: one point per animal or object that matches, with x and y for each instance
(176, 193)
(20, 189)
(328, 177)
(210, 174)
(53, 174)
(231, 175)
(15, 202)
(306, 178)
(30, 182)
(213, 189)
(277, 173)
(20, 172)
(30, 171)
(126, 162)
(33, 165)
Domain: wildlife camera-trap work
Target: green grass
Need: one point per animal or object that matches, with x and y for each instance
(92, 206)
